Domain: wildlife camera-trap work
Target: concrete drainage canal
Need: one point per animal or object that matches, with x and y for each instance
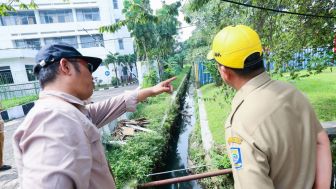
(177, 158)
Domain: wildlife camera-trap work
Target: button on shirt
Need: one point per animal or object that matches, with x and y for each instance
(271, 136)
(58, 144)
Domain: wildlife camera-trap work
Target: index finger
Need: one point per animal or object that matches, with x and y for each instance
(170, 80)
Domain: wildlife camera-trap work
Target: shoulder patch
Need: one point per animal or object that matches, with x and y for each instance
(236, 158)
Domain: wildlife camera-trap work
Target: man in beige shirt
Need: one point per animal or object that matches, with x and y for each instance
(58, 144)
(273, 136)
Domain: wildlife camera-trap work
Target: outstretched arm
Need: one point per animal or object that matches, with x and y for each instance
(164, 86)
(323, 165)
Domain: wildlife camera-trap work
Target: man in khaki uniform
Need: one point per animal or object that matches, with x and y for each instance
(273, 136)
(2, 143)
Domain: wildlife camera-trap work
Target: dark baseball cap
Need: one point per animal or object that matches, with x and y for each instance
(55, 52)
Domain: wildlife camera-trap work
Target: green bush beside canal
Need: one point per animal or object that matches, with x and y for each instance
(145, 152)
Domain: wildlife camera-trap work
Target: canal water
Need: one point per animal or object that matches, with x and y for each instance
(178, 155)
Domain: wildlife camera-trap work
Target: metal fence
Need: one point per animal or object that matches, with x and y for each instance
(203, 76)
(300, 61)
(305, 58)
(11, 91)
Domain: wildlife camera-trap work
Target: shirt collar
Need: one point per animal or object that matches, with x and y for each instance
(248, 87)
(64, 96)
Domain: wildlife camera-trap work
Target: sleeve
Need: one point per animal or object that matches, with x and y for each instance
(105, 111)
(55, 154)
(250, 165)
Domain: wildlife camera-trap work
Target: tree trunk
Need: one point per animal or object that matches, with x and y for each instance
(116, 74)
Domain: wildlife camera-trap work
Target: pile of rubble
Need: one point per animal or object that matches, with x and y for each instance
(127, 128)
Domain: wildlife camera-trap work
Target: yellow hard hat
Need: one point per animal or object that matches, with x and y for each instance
(233, 44)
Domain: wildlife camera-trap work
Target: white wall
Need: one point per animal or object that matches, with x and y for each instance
(18, 69)
(100, 73)
(107, 15)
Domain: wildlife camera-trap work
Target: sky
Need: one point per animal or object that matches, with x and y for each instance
(184, 33)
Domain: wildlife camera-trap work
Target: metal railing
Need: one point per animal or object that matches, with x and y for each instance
(10, 91)
(186, 178)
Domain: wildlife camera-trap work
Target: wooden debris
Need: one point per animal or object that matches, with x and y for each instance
(127, 128)
(138, 128)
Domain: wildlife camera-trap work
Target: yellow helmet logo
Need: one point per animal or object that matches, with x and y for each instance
(233, 44)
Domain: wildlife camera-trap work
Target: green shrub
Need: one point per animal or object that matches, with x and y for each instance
(144, 152)
(150, 79)
(212, 69)
(114, 81)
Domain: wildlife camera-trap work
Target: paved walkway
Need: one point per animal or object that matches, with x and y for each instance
(205, 131)
(8, 179)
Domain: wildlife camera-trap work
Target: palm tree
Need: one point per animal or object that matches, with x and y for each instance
(111, 59)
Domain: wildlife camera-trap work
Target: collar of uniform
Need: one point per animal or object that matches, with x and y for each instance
(248, 87)
(64, 96)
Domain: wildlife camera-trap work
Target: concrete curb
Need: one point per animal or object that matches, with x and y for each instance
(17, 111)
(207, 139)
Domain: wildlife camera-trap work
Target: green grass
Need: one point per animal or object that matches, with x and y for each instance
(143, 152)
(6, 104)
(154, 108)
(321, 92)
(217, 110)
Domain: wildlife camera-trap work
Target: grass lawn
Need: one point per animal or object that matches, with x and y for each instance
(18, 101)
(320, 90)
(217, 110)
(155, 107)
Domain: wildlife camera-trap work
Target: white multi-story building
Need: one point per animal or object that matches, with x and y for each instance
(75, 22)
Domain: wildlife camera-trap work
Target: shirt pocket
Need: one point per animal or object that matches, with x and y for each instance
(93, 137)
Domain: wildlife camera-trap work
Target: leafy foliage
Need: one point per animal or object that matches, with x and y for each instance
(117, 59)
(8, 6)
(154, 35)
(282, 35)
(150, 79)
(212, 68)
(142, 153)
(219, 159)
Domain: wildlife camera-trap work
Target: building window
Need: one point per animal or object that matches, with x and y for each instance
(18, 18)
(28, 43)
(56, 16)
(91, 14)
(71, 40)
(117, 20)
(115, 4)
(30, 73)
(6, 76)
(88, 41)
(121, 44)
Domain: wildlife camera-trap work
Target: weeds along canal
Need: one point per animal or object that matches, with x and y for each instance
(177, 157)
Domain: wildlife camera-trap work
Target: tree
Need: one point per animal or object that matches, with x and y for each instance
(153, 34)
(282, 35)
(139, 20)
(111, 59)
(9, 6)
(166, 29)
